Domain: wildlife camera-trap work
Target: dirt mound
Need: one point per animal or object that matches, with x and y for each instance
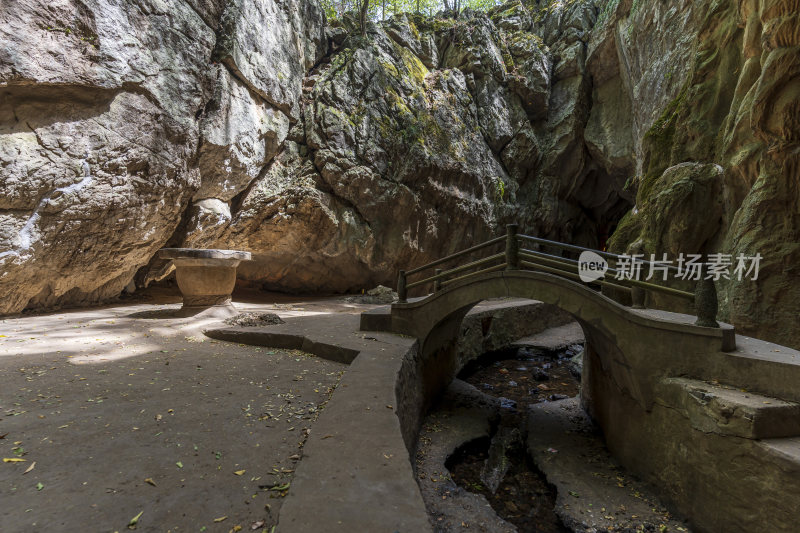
(251, 320)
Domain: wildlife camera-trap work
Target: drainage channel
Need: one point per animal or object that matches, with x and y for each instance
(483, 459)
(523, 497)
(499, 468)
(522, 377)
(472, 461)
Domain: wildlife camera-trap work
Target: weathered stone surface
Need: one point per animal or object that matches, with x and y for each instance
(725, 410)
(112, 123)
(732, 100)
(680, 213)
(272, 45)
(407, 154)
(240, 134)
(83, 205)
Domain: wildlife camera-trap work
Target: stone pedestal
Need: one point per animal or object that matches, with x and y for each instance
(205, 277)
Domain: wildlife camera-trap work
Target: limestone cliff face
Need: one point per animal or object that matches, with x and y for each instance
(719, 164)
(116, 116)
(337, 158)
(424, 137)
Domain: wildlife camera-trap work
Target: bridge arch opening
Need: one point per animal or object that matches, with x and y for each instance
(628, 352)
(502, 454)
(436, 321)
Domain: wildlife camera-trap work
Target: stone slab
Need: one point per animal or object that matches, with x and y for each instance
(727, 410)
(199, 253)
(564, 445)
(786, 449)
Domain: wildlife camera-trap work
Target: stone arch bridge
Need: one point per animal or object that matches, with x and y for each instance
(710, 418)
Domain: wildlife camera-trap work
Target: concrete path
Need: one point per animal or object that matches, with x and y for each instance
(355, 474)
(121, 410)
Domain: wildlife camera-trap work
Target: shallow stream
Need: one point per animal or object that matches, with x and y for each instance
(518, 378)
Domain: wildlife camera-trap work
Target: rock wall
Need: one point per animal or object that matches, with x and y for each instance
(719, 156)
(337, 158)
(117, 117)
(423, 137)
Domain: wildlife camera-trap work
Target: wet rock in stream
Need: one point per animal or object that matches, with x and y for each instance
(523, 497)
(497, 463)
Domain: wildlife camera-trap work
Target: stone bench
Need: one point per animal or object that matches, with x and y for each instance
(206, 278)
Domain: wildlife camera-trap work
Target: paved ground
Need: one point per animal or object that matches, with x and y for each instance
(556, 338)
(121, 410)
(594, 492)
(125, 417)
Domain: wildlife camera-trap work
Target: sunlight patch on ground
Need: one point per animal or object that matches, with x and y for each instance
(104, 334)
(115, 355)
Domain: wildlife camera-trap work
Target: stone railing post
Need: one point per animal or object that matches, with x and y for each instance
(512, 248)
(705, 301)
(437, 285)
(638, 296)
(402, 293)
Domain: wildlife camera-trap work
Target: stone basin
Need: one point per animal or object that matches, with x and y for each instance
(206, 278)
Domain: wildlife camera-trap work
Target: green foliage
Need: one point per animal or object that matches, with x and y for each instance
(83, 34)
(500, 189)
(606, 10)
(383, 9)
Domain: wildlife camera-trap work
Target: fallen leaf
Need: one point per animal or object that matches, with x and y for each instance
(179, 464)
(14, 460)
(220, 519)
(240, 472)
(33, 464)
(235, 528)
(257, 525)
(150, 481)
(135, 520)
(39, 486)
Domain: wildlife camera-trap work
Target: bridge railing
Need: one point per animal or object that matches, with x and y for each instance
(517, 254)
